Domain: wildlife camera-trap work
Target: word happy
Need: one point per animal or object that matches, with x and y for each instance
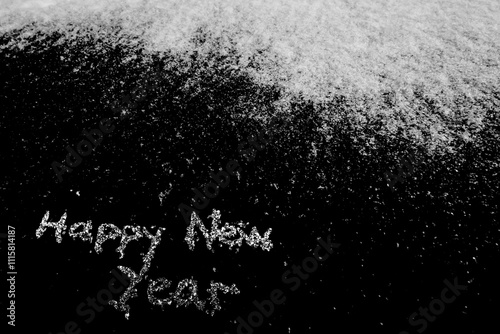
(230, 235)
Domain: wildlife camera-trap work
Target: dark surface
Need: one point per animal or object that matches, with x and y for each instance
(396, 247)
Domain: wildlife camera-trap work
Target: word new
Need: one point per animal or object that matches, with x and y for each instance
(226, 234)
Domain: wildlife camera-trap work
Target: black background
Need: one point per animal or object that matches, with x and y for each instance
(397, 247)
